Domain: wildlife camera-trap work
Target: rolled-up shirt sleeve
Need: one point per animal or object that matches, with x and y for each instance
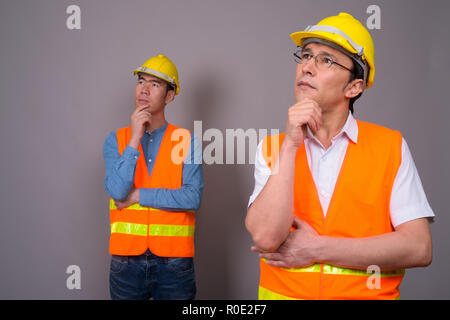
(408, 199)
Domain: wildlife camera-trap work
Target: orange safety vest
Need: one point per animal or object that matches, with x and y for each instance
(359, 208)
(136, 228)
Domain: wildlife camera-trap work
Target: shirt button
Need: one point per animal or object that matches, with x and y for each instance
(149, 160)
(151, 140)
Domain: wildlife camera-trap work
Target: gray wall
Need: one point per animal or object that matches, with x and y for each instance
(62, 91)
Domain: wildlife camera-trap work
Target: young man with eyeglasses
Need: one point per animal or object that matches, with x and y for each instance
(334, 196)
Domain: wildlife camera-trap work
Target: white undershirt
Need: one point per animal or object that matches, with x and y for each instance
(408, 200)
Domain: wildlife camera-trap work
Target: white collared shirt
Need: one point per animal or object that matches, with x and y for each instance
(408, 200)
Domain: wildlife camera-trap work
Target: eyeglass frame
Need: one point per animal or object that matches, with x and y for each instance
(315, 59)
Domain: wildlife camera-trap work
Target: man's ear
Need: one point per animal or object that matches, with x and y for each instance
(170, 95)
(354, 88)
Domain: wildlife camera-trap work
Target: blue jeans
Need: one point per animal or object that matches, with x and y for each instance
(150, 276)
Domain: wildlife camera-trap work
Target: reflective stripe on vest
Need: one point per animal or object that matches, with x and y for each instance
(154, 230)
(330, 269)
(265, 294)
(359, 207)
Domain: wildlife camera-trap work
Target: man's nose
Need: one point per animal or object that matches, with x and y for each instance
(146, 88)
(309, 66)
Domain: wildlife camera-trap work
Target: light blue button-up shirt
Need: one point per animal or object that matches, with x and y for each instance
(120, 171)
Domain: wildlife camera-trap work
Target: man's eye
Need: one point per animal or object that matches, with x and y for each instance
(306, 56)
(327, 60)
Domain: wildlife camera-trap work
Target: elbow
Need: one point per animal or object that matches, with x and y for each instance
(423, 254)
(197, 203)
(263, 238)
(118, 195)
(195, 206)
(194, 198)
(266, 242)
(426, 255)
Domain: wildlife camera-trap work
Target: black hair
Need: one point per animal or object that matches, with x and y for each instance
(358, 73)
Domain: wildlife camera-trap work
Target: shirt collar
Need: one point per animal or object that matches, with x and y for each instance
(350, 129)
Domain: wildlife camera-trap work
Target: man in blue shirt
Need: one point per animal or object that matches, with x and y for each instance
(147, 275)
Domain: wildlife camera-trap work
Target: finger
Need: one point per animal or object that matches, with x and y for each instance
(313, 123)
(142, 107)
(310, 106)
(256, 249)
(144, 112)
(143, 118)
(138, 109)
(147, 117)
(312, 103)
(305, 115)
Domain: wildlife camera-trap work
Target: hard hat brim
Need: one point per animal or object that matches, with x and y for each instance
(300, 36)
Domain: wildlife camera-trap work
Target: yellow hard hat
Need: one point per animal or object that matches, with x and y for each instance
(347, 33)
(161, 67)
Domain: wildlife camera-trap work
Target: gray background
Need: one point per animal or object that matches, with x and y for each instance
(62, 91)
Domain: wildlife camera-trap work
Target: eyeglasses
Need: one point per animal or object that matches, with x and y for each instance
(322, 60)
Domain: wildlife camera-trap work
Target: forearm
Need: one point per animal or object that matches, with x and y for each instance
(187, 197)
(395, 250)
(119, 181)
(270, 216)
(184, 198)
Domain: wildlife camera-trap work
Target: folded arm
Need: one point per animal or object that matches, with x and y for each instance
(120, 177)
(409, 246)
